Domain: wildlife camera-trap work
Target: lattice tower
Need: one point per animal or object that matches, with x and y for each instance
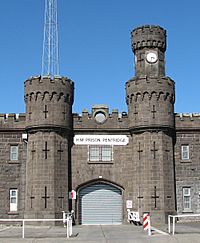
(50, 65)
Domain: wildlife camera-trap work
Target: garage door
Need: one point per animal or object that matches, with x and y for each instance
(100, 204)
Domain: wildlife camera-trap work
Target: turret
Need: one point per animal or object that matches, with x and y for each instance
(48, 102)
(49, 127)
(149, 46)
(150, 95)
(150, 98)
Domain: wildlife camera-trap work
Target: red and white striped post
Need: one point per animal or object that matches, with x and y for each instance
(146, 222)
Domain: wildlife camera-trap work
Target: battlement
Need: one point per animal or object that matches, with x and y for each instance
(188, 116)
(115, 113)
(147, 88)
(46, 88)
(12, 120)
(35, 80)
(48, 101)
(13, 117)
(114, 120)
(187, 120)
(150, 36)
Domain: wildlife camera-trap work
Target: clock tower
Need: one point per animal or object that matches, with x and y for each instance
(149, 47)
(150, 99)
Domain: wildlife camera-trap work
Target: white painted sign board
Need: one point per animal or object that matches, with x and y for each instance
(101, 140)
(133, 216)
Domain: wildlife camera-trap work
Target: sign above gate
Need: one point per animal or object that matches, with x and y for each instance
(101, 139)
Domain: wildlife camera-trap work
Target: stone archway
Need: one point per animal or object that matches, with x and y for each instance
(100, 203)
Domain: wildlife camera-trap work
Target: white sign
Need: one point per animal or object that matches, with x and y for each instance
(133, 216)
(129, 203)
(101, 139)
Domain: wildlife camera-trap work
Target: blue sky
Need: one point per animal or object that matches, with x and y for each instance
(95, 48)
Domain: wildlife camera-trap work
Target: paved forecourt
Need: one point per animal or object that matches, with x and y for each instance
(101, 234)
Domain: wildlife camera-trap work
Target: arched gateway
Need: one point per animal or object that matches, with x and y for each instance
(100, 203)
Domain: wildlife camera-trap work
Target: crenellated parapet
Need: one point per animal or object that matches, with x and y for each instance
(150, 88)
(12, 121)
(101, 119)
(150, 102)
(148, 36)
(48, 101)
(59, 88)
(187, 121)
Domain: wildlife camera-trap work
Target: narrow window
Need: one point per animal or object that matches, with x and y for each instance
(14, 152)
(13, 200)
(186, 198)
(185, 152)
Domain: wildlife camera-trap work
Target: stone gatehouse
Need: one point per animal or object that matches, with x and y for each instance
(145, 159)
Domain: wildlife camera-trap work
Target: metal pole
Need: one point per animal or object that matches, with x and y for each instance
(64, 218)
(70, 227)
(23, 224)
(67, 227)
(169, 230)
(173, 226)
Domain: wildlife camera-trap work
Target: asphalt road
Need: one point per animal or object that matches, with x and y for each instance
(187, 232)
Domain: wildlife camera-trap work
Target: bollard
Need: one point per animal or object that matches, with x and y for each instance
(146, 223)
(64, 218)
(67, 220)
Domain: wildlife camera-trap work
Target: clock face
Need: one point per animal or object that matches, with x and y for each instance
(151, 57)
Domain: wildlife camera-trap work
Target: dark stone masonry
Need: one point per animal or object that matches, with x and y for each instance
(145, 160)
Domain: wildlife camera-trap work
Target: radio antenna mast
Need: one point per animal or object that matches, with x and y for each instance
(50, 66)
